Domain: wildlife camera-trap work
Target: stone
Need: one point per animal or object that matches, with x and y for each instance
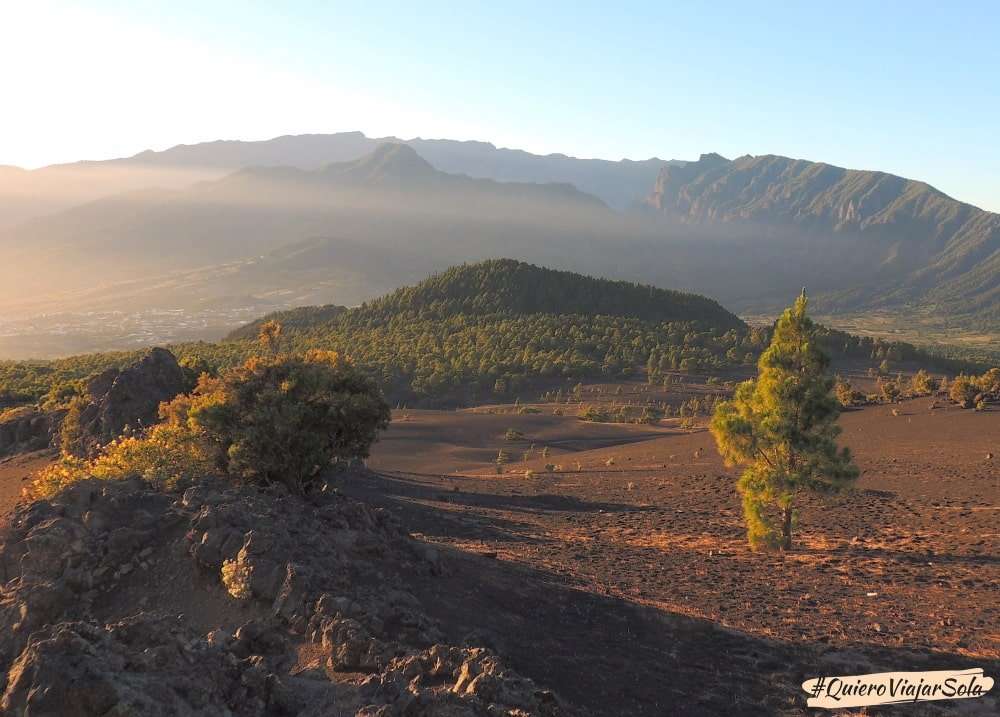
(128, 398)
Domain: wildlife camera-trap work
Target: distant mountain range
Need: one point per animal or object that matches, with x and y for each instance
(343, 218)
(866, 240)
(388, 208)
(28, 194)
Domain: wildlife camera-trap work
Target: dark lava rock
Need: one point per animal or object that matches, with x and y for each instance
(27, 429)
(327, 575)
(129, 398)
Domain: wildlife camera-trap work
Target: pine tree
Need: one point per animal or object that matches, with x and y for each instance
(782, 428)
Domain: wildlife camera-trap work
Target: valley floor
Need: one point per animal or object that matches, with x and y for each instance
(629, 587)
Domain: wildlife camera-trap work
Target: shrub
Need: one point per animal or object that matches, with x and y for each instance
(989, 382)
(280, 419)
(61, 394)
(283, 419)
(890, 390)
(71, 429)
(501, 459)
(963, 391)
(193, 368)
(236, 578)
(621, 414)
(923, 384)
(594, 414)
(512, 435)
(167, 455)
(844, 392)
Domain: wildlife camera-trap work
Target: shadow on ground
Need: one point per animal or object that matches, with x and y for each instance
(610, 656)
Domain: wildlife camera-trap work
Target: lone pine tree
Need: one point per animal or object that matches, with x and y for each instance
(782, 427)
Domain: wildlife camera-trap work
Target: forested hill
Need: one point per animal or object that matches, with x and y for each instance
(508, 287)
(492, 331)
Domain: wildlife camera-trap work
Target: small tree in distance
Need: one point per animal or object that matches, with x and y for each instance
(269, 337)
(782, 428)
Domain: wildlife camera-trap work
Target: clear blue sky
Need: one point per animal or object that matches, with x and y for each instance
(911, 88)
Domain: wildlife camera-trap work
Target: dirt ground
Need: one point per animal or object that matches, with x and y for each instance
(623, 581)
(15, 473)
(629, 586)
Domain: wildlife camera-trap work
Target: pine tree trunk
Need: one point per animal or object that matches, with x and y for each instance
(786, 528)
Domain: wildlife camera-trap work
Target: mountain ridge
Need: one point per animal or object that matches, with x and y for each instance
(27, 194)
(910, 242)
(390, 193)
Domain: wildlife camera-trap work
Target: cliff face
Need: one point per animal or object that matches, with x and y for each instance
(128, 399)
(907, 242)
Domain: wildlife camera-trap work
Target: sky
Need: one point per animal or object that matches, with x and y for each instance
(911, 88)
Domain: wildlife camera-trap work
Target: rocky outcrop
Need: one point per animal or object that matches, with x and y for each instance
(128, 398)
(146, 665)
(27, 429)
(327, 576)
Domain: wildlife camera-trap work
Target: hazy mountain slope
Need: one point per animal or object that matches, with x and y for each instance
(29, 194)
(389, 199)
(749, 232)
(867, 239)
(619, 184)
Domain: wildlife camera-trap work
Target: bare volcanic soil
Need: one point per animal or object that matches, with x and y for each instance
(607, 577)
(623, 580)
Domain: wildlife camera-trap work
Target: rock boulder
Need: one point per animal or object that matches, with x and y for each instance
(129, 397)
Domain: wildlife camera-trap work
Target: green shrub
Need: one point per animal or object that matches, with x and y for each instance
(167, 455)
(61, 395)
(271, 420)
(923, 384)
(989, 382)
(71, 429)
(843, 391)
(890, 390)
(963, 390)
(621, 414)
(284, 419)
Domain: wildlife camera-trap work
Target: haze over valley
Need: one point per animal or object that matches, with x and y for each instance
(217, 231)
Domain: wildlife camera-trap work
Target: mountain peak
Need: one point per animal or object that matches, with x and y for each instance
(393, 160)
(712, 158)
